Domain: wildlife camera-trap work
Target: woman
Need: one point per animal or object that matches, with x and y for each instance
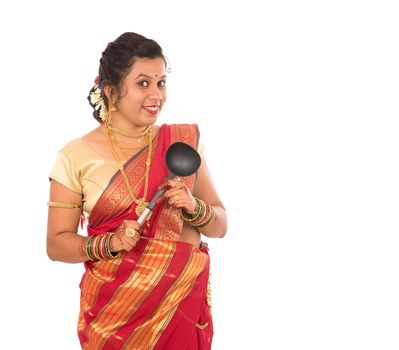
(144, 287)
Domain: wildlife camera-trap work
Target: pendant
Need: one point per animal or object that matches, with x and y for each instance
(141, 205)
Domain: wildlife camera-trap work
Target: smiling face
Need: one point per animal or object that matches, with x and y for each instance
(143, 94)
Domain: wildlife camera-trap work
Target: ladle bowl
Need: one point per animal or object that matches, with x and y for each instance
(181, 160)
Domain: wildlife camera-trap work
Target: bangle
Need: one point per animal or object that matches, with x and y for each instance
(110, 254)
(212, 217)
(88, 248)
(101, 247)
(98, 247)
(94, 247)
(206, 214)
(201, 205)
(204, 217)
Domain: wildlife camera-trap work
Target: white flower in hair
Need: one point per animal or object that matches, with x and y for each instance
(98, 103)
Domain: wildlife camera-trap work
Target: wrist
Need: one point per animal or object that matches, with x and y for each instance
(196, 207)
(112, 247)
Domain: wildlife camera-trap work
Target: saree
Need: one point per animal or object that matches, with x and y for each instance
(156, 295)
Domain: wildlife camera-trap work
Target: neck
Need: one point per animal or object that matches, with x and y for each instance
(127, 126)
(128, 135)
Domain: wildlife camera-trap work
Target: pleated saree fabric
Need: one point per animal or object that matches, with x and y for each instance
(156, 295)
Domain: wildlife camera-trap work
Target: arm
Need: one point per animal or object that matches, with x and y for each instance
(205, 190)
(63, 242)
(180, 196)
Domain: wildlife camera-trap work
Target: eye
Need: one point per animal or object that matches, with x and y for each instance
(143, 83)
(161, 83)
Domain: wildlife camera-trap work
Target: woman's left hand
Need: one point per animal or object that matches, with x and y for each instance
(179, 195)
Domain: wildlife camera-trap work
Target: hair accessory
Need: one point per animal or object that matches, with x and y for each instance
(97, 102)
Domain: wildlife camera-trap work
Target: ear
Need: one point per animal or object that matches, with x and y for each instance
(108, 92)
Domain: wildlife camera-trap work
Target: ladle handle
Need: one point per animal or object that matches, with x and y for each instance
(148, 210)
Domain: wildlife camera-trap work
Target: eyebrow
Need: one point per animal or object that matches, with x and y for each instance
(147, 76)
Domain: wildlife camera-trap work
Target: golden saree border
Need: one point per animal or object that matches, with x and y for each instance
(170, 223)
(143, 277)
(146, 335)
(116, 198)
(103, 271)
(148, 272)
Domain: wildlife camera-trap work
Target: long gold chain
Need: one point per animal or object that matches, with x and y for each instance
(141, 203)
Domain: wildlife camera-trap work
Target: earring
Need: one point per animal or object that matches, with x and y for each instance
(112, 107)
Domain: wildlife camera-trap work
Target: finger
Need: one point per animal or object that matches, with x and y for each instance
(135, 238)
(132, 233)
(167, 183)
(132, 240)
(130, 246)
(179, 188)
(174, 199)
(121, 226)
(181, 201)
(162, 184)
(129, 242)
(127, 246)
(174, 183)
(175, 192)
(179, 204)
(177, 179)
(132, 223)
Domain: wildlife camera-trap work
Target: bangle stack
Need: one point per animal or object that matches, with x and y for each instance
(205, 215)
(98, 247)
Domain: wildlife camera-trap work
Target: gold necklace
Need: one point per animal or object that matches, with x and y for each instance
(129, 148)
(141, 203)
(130, 133)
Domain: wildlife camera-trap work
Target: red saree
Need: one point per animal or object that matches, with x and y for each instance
(154, 296)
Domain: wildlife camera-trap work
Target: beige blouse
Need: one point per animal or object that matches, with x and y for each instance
(81, 169)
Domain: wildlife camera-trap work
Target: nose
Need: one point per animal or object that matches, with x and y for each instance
(155, 94)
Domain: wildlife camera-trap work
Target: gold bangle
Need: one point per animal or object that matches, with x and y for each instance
(110, 248)
(63, 205)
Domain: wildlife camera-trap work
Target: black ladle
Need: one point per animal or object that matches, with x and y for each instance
(181, 160)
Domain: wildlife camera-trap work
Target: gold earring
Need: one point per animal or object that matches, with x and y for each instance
(112, 107)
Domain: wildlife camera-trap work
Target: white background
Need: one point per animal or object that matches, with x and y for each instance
(297, 103)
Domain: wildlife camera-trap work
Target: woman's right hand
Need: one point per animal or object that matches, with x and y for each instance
(126, 236)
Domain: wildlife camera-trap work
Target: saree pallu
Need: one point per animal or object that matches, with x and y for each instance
(156, 295)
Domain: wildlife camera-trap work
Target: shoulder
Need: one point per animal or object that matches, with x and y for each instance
(72, 148)
(76, 149)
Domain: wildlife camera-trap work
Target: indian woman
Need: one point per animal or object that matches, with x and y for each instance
(144, 286)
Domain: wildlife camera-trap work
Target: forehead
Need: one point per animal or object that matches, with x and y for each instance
(154, 67)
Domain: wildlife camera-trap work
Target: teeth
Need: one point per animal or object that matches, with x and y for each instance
(151, 108)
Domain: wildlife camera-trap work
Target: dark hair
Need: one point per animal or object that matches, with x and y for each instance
(117, 61)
